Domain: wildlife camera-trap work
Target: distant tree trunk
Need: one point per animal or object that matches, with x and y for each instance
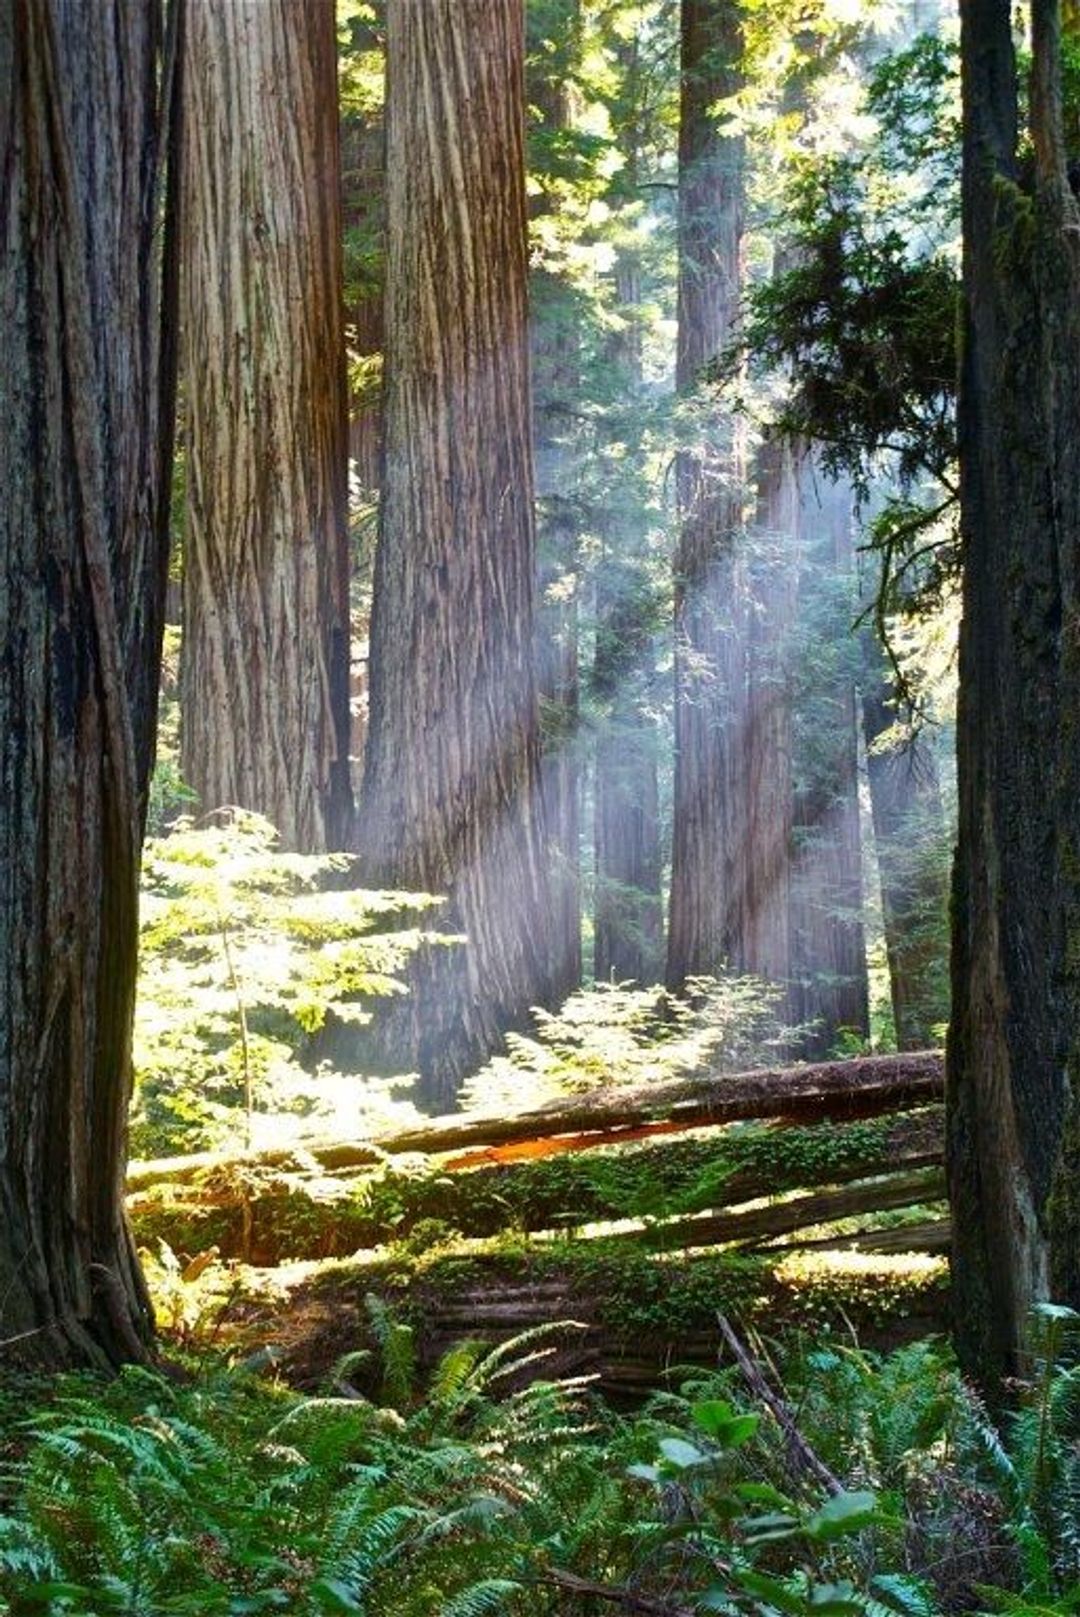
(909, 837)
(710, 586)
(763, 946)
(265, 668)
(555, 388)
(363, 185)
(628, 922)
(830, 989)
(87, 308)
(363, 142)
(1013, 1131)
(452, 792)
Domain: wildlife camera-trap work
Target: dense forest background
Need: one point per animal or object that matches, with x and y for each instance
(538, 690)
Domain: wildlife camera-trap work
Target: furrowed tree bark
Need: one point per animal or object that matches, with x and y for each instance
(452, 787)
(710, 580)
(830, 990)
(87, 308)
(1013, 1136)
(265, 664)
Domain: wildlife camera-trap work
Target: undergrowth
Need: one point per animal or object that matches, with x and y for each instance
(496, 1493)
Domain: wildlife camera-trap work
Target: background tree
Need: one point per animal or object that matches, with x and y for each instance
(265, 668)
(709, 840)
(86, 392)
(911, 843)
(830, 992)
(553, 38)
(630, 585)
(452, 800)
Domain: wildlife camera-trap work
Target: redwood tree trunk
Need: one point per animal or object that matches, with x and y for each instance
(830, 987)
(628, 921)
(85, 459)
(909, 836)
(710, 583)
(555, 392)
(265, 673)
(452, 793)
(763, 946)
(1013, 1142)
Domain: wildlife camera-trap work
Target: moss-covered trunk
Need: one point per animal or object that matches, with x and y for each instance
(1012, 1150)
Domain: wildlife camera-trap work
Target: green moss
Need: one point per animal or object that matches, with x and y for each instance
(425, 1207)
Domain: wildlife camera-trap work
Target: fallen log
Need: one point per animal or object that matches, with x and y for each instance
(292, 1218)
(760, 1224)
(831, 1091)
(630, 1321)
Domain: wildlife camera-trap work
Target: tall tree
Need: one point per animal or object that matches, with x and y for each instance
(452, 797)
(763, 945)
(909, 839)
(1012, 1066)
(556, 387)
(709, 838)
(265, 670)
(628, 923)
(86, 302)
(830, 993)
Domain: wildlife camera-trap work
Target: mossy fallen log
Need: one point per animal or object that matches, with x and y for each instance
(273, 1218)
(631, 1318)
(867, 1086)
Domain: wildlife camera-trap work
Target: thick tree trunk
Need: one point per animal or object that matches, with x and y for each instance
(1013, 1143)
(265, 669)
(85, 460)
(452, 791)
(710, 582)
(830, 989)
(909, 836)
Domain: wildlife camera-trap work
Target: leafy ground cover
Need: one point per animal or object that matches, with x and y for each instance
(487, 1491)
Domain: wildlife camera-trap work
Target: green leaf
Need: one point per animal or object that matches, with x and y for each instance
(835, 1600)
(1054, 1311)
(771, 1528)
(681, 1454)
(775, 1592)
(333, 1595)
(905, 1596)
(845, 1513)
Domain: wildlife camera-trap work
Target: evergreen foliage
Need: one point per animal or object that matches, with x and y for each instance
(493, 1492)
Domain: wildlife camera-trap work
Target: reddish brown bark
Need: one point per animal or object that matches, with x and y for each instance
(265, 668)
(87, 307)
(452, 790)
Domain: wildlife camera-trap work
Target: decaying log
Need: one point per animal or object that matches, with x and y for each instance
(867, 1086)
(755, 1225)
